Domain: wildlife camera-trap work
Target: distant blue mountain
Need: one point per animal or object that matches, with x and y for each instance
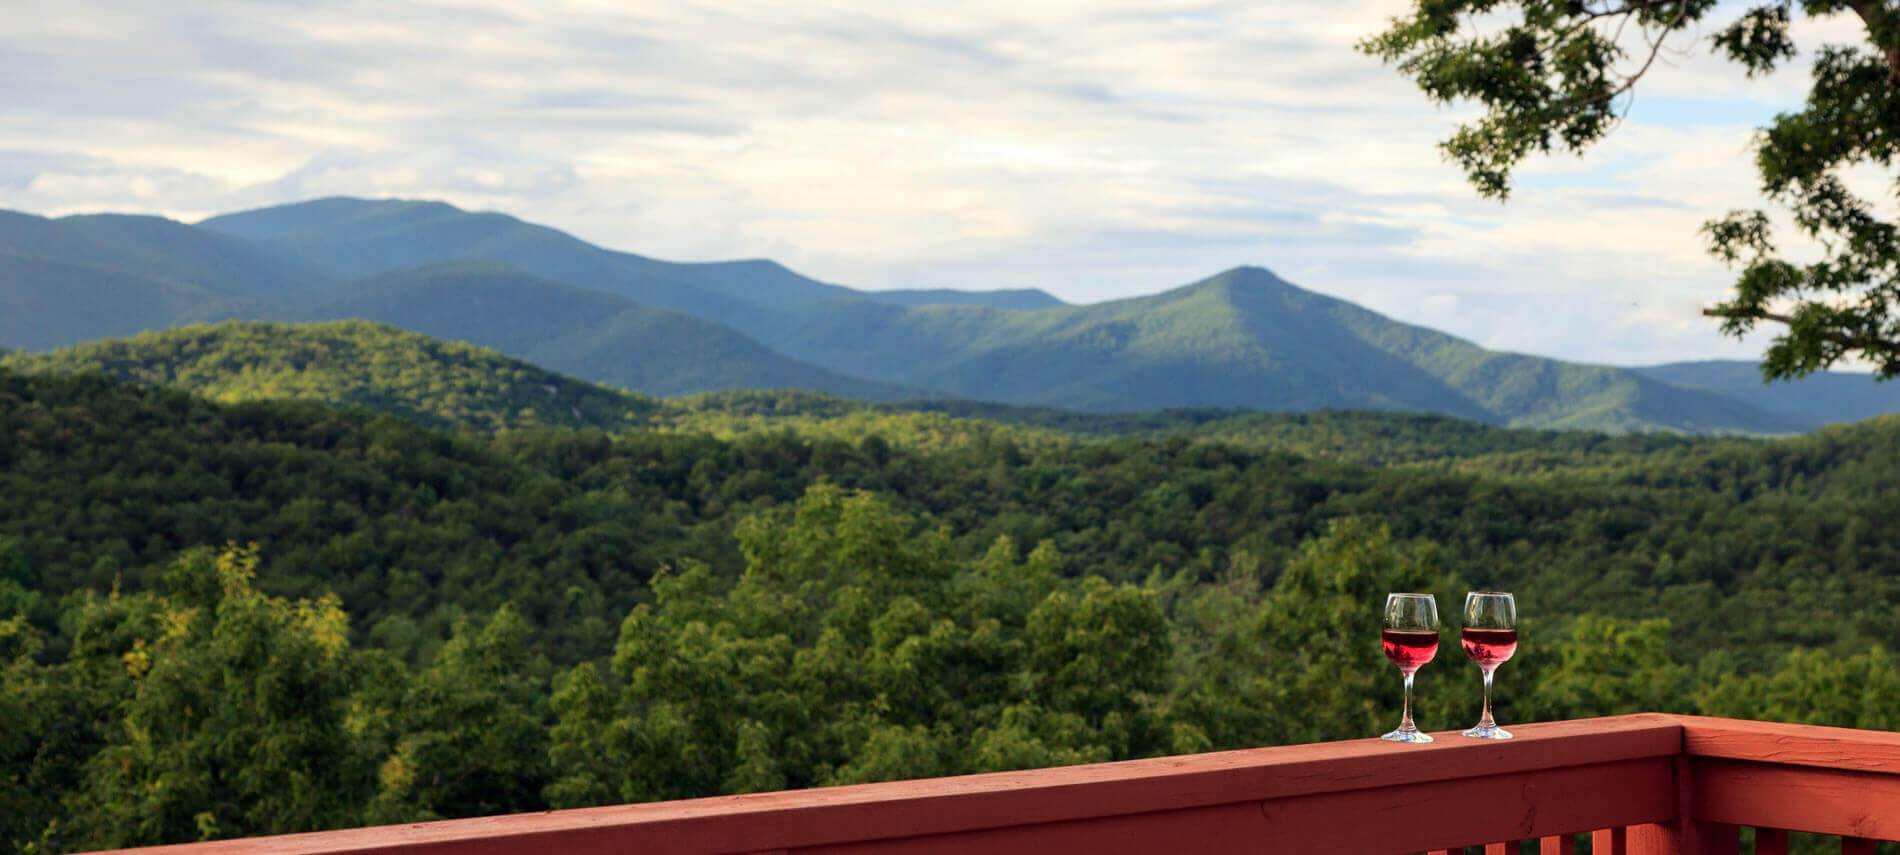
(77, 279)
(72, 279)
(590, 334)
(1828, 397)
(358, 237)
(1020, 299)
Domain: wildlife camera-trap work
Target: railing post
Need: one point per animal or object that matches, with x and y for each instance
(1657, 840)
(1687, 835)
(1563, 844)
(1684, 837)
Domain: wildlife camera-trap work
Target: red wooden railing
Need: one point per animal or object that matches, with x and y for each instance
(1639, 784)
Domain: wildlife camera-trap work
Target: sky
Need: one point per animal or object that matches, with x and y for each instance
(1096, 150)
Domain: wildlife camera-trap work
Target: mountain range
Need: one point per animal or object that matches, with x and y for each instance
(1242, 339)
(461, 387)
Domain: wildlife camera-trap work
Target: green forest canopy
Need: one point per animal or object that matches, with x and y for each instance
(466, 623)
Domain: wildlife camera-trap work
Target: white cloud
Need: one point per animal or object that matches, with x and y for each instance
(1097, 149)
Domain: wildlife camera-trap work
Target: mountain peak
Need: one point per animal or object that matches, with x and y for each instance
(350, 205)
(1245, 284)
(1249, 274)
(127, 219)
(274, 222)
(753, 270)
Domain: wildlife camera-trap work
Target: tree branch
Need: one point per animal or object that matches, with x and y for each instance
(1868, 10)
(1588, 17)
(1852, 342)
(1655, 50)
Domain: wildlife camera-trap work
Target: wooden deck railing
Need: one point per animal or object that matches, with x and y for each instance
(1639, 784)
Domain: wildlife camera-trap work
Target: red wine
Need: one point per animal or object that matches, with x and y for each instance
(1490, 647)
(1409, 649)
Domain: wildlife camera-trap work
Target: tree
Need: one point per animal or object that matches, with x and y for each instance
(24, 694)
(1608, 667)
(1815, 687)
(855, 647)
(1300, 661)
(471, 741)
(238, 720)
(1559, 74)
(1324, 677)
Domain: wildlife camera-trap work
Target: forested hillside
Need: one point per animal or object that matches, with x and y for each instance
(434, 382)
(472, 624)
(450, 384)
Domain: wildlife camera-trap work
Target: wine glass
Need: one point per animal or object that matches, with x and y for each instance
(1490, 638)
(1410, 639)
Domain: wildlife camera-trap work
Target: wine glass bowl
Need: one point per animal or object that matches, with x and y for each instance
(1410, 639)
(1409, 650)
(1490, 639)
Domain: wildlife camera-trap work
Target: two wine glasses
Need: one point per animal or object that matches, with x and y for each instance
(1410, 639)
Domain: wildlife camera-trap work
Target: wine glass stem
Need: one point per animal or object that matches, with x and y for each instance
(1487, 721)
(1405, 723)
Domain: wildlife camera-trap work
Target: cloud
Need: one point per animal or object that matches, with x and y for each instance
(1095, 148)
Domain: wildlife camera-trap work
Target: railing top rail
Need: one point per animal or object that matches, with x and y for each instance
(1837, 748)
(768, 821)
(1820, 779)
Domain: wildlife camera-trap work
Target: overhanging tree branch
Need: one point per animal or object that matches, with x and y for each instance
(1879, 20)
(1548, 79)
(1844, 339)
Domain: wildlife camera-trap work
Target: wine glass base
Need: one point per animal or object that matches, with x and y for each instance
(1490, 731)
(1402, 735)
